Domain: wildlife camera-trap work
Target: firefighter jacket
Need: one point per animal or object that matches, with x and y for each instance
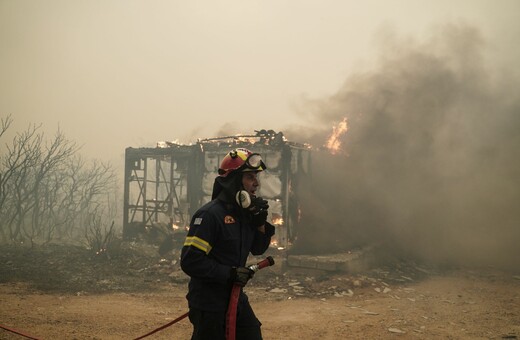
(220, 237)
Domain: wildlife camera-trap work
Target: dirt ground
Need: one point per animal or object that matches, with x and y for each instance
(43, 296)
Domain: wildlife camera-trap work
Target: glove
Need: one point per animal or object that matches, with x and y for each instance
(258, 204)
(259, 218)
(258, 211)
(240, 275)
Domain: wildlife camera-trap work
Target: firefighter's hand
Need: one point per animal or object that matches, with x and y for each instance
(258, 211)
(240, 275)
(258, 204)
(259, 218)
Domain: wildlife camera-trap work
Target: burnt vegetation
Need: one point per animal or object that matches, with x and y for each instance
(49, 193)
(58, 221)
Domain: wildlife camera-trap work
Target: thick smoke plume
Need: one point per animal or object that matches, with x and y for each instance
(430, 165)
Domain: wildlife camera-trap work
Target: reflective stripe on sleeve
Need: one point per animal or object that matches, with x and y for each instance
(198, 243)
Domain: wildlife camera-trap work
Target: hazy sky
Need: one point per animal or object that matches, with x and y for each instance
(112, 74)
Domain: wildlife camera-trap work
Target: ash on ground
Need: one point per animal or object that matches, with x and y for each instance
(138, 267)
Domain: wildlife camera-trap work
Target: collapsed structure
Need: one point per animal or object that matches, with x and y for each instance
(165, 185)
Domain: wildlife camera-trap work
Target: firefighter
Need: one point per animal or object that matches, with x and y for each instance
(222, 234)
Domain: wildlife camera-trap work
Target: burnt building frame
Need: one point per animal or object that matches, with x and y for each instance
(165, 185)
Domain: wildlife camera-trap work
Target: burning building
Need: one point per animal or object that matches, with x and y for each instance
(165, 185)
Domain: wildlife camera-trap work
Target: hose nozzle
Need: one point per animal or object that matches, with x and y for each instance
(268, 261)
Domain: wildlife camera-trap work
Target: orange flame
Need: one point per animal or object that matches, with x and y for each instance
(245, 139)
(277, 220)
(333, 143)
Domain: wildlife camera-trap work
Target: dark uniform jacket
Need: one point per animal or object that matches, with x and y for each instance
(220, 237)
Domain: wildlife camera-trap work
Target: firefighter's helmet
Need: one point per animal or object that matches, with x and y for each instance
(240, 159)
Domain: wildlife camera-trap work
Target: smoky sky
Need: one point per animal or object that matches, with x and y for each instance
(430, 165)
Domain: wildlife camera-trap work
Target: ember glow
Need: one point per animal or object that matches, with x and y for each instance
(334, 143)
(274, 244)
(277, 220)
(246, 139)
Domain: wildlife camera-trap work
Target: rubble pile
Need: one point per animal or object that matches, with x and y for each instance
(295, 282)
(136, 266)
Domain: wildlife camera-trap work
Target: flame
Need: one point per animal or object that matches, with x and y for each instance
(246, 139)
(277, 220)
(274, 244)
(167, 144)
(333, 143)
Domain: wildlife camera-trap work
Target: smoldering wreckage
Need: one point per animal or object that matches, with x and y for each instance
(165, 185)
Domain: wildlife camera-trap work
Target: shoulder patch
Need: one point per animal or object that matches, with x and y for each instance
(197, 221)
(229, 219)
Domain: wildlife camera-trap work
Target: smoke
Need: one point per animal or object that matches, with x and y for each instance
(430, 165)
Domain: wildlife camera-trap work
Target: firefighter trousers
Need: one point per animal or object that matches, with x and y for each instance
(212, 325)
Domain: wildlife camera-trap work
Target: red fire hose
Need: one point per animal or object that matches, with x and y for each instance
(231, 315)
(18, 332)
(163, 327)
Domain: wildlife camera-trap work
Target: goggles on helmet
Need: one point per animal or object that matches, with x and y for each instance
(254, 162)
(241, 160)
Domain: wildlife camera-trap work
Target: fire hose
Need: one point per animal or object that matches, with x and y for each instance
(18, 333)
(163, 326)
(141, 337)
(231, 315)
